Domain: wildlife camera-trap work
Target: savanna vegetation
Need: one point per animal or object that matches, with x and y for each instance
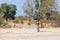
(46, 10)
(7, 12)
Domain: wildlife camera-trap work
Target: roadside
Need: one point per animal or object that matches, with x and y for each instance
(29, 34)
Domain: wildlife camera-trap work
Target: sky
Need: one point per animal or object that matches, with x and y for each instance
(58, 5)
(19, 4)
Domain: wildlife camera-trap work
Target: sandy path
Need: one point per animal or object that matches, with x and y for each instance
(29, 34)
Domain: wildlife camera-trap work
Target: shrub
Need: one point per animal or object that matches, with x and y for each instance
(16, 21)
(22, 22)
(35, 21)
(5, 25)
(29, 23)
(1, 22)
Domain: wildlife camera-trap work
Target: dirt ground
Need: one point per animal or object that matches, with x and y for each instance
(29, 34)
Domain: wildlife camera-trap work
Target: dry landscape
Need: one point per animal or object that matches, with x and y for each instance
(30, 20)
(29, 34)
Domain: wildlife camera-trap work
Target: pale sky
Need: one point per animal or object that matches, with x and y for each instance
(19, 4)
(58, 5)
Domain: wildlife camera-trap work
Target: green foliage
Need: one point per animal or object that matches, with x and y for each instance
(22, 22)
(37, 5)
(16, 21)
(29, 23)
(57, 18)
(35, 21)
(8, 11)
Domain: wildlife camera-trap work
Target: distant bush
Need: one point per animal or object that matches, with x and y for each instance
(16, 21)
(35, 21)
(1, 22)
(29, 23)
(22, 22)
(5, 25)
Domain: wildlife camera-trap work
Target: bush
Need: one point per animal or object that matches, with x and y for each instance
(29, 23)
(5, 25)
(22, 22)
(1, 22)
(16, 21)
(35, 22)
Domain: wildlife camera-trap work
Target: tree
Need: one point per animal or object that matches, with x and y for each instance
(42, 7)
(27, 7)
(12, 11)
(9, 11)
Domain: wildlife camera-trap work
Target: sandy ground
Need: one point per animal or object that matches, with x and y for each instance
(29, 34)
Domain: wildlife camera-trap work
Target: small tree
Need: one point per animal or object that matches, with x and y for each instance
(9, 11)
